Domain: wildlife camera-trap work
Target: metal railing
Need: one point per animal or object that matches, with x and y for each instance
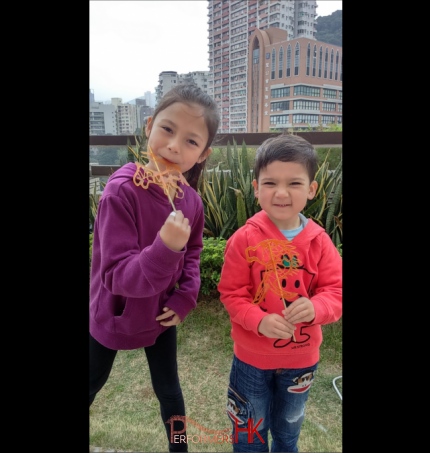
(251, 139)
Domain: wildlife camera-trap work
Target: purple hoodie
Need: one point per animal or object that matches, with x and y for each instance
(133, 274)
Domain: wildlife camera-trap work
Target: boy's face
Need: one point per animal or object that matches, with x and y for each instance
(283, 189)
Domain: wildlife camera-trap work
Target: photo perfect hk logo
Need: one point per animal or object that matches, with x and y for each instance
(178, 436)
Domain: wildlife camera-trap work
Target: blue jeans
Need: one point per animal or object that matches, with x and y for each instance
(263, 400)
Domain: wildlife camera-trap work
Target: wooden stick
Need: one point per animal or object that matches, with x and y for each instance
(166, 190)
(279, 283)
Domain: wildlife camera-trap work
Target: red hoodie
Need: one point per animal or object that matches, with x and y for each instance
(250, 288)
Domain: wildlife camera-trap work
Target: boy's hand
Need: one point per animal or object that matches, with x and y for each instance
(175, 231)
(301, 310)
(275, 326)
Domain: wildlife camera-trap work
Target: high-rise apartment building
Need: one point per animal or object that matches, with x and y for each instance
(143, 111)
(127, 119)
(150, 99)
(168, 79)
(103, 119)
(115, 118)
(230, 25)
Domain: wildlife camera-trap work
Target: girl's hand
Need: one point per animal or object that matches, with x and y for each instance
(168, 313)
(176, 231)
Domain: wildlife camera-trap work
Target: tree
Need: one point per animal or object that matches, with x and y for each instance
(329, 28)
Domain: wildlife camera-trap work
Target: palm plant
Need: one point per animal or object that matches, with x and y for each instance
(228, 195)
(326, 207)
(94, 204)
(135, 154)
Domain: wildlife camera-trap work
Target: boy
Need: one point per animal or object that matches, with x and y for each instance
(281, 281)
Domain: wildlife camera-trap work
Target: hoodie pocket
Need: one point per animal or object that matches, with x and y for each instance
(137, 317)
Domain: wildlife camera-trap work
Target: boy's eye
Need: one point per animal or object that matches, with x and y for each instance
(269, 183)
(193, 142)
(167, 129)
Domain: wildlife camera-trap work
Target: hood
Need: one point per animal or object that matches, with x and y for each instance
(265, 227)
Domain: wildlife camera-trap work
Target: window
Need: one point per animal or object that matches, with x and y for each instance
(337, 66)
(278, 106)
(288, 71)
(308, 60)
(328, 93)
(297, 59)
(331, 64)
(300, 118)
(280, 92)
(314, 62)
(256, 52)
(281, 62)
(306, 91)
(325, 63)
(278, 119)
(273, 64)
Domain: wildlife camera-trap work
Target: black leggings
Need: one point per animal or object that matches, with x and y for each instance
(163, 368)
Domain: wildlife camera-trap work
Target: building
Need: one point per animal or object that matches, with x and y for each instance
(127, 119)
(230, 24)
(103, 119)
(143, 111)
(115, 118)
(291, 83)
(150, 99)
(168, 79)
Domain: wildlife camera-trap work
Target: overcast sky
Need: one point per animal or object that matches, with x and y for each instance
(131, 42)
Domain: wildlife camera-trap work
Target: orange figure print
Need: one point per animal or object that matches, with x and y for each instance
(167, 179)
(273, 255)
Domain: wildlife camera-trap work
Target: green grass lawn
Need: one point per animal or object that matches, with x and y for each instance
(125, 414)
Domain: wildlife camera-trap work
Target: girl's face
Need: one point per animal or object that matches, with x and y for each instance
(283, 189)
(179, 135)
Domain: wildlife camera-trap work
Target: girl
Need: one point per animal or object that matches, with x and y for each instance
(145, 267)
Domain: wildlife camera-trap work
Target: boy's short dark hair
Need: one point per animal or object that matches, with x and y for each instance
(286, 148)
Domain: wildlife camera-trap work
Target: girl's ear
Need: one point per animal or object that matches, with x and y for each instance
(148, 126)
(204, 155)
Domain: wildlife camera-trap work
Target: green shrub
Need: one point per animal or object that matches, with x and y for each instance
(211, 261)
